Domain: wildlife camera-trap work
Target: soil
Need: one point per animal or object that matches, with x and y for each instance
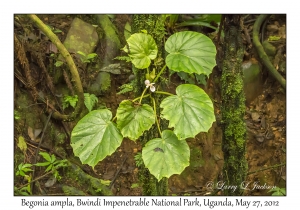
(265, 118)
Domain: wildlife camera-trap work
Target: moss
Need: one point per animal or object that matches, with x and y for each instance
(72, 191)
(85, 181)
(233, 109)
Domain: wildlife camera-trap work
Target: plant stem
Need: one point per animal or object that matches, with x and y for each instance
(165, 93)
(156, 120)
(261, 52)
(158, 75)
(73, 69)
(142, 95)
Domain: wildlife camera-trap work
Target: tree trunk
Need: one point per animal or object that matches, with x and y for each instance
(233, 107)
(155, 27)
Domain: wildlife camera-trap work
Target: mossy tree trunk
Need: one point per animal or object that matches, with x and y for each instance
(155, 27)
(233, 106)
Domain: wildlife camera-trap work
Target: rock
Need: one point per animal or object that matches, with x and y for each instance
(252, 79)
(111, 40)
(82, 37)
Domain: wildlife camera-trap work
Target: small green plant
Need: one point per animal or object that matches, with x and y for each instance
(52, 164)
(87, 58)
(189, 111)
(138, 159)
(22, 171)
(90, 100)
(70, 101)
(17, 115)
(58, 63)
(277, 191)
(125, 88)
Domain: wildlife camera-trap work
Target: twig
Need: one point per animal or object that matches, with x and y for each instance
(38, 148)
(263, 169)
(46, 174)
(114, 179)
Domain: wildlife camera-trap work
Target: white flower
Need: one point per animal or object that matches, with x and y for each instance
(151, 85)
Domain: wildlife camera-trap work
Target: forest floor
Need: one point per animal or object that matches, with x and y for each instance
(265, 142)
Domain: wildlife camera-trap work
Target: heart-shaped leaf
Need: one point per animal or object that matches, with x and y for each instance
(166, 156)
(142, 49)
(191, 52)
(189, 112)
(95, 137)
(134, 119)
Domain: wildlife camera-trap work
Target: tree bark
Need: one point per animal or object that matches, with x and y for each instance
(233, 107)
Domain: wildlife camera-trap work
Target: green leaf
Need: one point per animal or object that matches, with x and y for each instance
(191, 52)
(49, 168)
(274, 38)
(134, 185)
(58, 63)
(127, 30)
(190, 111)
(53, 158)
(90, 100)
(81, 53)
(277, 191)
(201, 79)
(142, 49)
(26, 169)
(73, 101)
(197, 23)
(43, 164)
(210, 18)
(70, 100)
(282, 191)
(166, 156)
(57, 31)
(134, 119)
(22, 144)
(27, 165)
(95, 137)
(60, 164)
(91, 56)
(46, 156)
(105, 182)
